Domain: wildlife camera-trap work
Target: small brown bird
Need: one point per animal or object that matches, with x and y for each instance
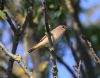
(56, 35)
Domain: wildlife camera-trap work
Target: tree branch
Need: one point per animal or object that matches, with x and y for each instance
(28, 16)
(67, 67)
(11, 61)
(13, 27)
(84, 50)
(2, 4)
(78, 68)
(16, 58)
(52, 52)
(74, 52)
(93, 54)
(17, 34)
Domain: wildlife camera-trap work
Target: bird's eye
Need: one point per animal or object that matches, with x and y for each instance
(63, 26)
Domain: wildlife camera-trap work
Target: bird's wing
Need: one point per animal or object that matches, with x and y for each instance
(43, 38)
(52, 36)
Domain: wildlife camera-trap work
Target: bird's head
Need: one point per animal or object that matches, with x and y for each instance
(62, 27)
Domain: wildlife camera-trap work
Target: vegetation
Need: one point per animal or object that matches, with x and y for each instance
(24, 22)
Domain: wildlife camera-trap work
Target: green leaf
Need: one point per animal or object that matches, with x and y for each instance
(2, 15)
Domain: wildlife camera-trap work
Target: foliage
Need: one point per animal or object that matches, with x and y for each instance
(57, 13)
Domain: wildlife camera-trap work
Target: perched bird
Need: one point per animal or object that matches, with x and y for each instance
(56, 35)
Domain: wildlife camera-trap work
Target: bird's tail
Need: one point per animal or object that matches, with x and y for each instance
(35, 47)
(31, 50)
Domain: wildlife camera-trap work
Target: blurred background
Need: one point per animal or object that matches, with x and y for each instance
(69, 49)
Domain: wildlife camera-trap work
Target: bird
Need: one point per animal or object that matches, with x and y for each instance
(56, 35)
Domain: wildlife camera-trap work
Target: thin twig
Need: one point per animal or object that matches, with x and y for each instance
(17, 34)
(4, 50)
(28, 16)
(83, 47)
(67, 67)
(9, 20)
(15, 44)
(93, 54)
(78, 68)
(16, 58)
(52, 52)
(2, 4)
(74, 52)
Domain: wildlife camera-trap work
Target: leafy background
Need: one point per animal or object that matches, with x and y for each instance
(88, 12)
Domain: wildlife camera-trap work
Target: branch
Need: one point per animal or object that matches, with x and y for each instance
(3, 49)
(78, 68)
(93, 54)
(11, 61)
(2, 4)
(15, 44)
(84, 50)
(52, 52)
(17, 34)
(28, 16)
(9, 20)
(16, 58)
(67, 67)
(74, 52)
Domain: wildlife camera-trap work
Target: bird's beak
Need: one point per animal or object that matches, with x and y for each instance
(67, 28)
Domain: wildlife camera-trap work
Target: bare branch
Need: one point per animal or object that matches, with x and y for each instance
(2, 4)
(15, 44)
(74, 52)
(17, 34)
(16, 58)
(52, 52)
(9, 20)
(28, 16)
(27, 71)
(67, 67)
(76, 27)
(93, 54)
(78, 69)
(14, 48)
